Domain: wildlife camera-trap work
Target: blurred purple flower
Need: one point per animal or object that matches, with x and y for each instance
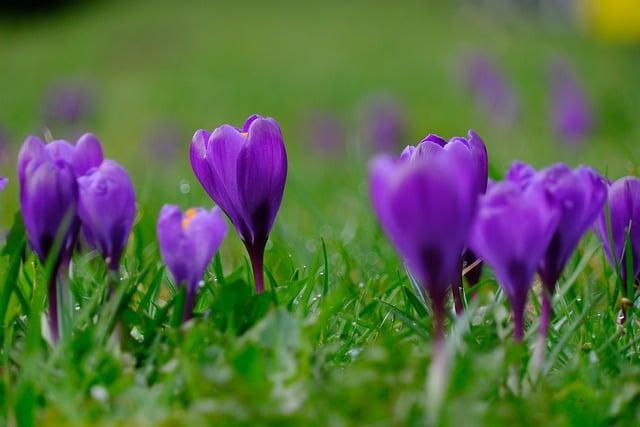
(69, 102)
(512, 231)
(187, 244)
(384, 127)
(426, 206)
(107, 209)
(4, 181)
(624, 213)
(570, 112)
(491, 89)
(472, 154)
(326, 132)
(580, 195)
(244, 171)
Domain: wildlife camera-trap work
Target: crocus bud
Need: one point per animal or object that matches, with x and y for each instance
(511, 232)
(471, 154)
(624, 213)
(187, 244)
(48, 196)
(244, 172)
(107, 209)
(426, 209)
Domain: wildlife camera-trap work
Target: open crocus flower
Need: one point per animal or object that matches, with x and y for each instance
(107, 209)
(624, 213)
(244, 172)
(426, 209)
(187, 244)
(470, 153)
(512, 231)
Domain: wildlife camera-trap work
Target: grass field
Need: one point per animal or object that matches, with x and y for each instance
(340, 338)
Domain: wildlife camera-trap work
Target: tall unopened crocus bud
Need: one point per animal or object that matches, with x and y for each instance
(511, 232)
(244, 171)
(187, 244)
(48, 202)
(471, 154)
(624, 216)
(107, 209)
(490, 89)
(384, 127)
(426, 209)
(570, 112)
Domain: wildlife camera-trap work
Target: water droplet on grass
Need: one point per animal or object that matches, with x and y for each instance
(185, 188)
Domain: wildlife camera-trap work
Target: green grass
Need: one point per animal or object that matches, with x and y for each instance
(340, 338)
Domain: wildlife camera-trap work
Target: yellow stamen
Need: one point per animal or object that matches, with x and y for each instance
(244, 134)
(188, 217)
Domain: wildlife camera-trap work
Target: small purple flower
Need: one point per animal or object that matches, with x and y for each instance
(491, 89)
(426, 209)
(244, 172)
(187, 244)
(624, 214)
(164, 140)
(472, 153)
(4, 181)
(69, 102)
(384, 128)
(326, 132)
(512, 231)
(107, 209)
(570, 112)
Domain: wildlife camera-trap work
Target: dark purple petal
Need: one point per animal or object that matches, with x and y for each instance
(33, 149)
(262, 173)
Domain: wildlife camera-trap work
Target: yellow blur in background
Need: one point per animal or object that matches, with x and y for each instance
(613, 20)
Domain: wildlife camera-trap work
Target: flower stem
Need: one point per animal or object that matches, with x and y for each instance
(189, 303)
(54, 326)
(256, 254)
(518, 325)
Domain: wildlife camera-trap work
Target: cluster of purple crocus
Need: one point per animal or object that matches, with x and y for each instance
(70, 194)
(70, 190)
(437, 205)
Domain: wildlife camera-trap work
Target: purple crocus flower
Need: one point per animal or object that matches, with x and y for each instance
(4, 181)
(384, 127)
(244, 172)
(580, 195)
(48, 199)
(187, 244)
(570, 112)
(471, 152)
(426, 209)
(512, 231)
(491, 89)
(107, 209)
(624, 215)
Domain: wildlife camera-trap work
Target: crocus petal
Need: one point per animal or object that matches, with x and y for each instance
(88, 154)
(3, 182)
(33, 149)
(261, 176)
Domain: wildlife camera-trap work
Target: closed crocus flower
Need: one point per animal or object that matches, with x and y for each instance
(624, 215)
(384, 127)
(107, 210)
(471, 154)
(244, 171)
(426, 209)
(187, 244)
(512, 231)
